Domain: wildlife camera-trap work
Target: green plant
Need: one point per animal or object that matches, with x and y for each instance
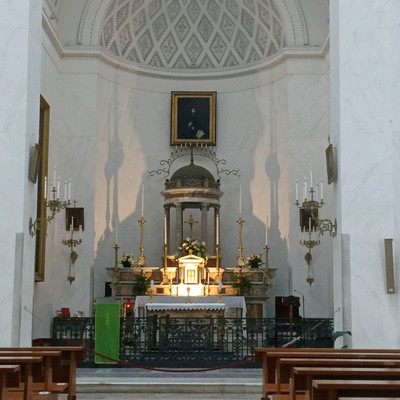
(193, 246)
(254, 261)
(141, 285)
(242, 285)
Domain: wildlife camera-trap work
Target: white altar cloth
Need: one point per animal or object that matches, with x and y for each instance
(232, 303)
(184, 306)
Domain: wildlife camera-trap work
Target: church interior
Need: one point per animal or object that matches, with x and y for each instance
(204, 158)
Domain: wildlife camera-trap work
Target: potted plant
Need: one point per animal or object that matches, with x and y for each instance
(241, 284)
(127, 260)
(254, 261)
(193, 246)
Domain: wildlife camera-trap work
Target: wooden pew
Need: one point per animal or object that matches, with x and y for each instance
(8, 373)
(302, 377)
(327, 389)
(27, 362)
(66, 372)
(276, 380)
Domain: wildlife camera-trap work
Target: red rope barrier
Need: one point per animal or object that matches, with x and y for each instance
(131, 365)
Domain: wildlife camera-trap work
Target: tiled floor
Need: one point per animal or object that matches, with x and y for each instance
(132, 384)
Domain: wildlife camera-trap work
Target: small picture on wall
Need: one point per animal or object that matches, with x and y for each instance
(331, 164)
(193, 118)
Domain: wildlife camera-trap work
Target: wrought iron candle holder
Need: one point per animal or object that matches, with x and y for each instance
(311, 206)
(72, 243)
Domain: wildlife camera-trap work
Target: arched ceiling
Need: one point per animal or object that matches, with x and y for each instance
(190, 35)
(193, 33)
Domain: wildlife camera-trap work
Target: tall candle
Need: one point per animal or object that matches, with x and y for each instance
(116, 231)
(45, 187)
(309, 224)
(69, 189)
(240, 200)
(220, 285)
(72, 223)
(311, 178)
(165, 229)
(65, 190)
(54, 176)
(305, 188)
(322, 190)
(297, 190)
(170, 277)
(58, 187)
(152, 285)
(266, 233)
(142, 199)
(217, 230)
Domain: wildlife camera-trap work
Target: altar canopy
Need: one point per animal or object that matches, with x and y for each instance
(234, 306)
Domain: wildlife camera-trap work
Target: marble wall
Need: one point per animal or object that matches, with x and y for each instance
(109, 127)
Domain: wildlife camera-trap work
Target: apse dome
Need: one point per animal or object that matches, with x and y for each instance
(199, 34)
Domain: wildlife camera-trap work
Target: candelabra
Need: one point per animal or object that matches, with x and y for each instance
(72, 243)
(311, 206)
(141, 259)
(217, 262)
(240, 259)
(54, 204)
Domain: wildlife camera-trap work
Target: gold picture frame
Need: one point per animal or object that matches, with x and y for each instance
(34, 164)
(193, 118)
(331, 168)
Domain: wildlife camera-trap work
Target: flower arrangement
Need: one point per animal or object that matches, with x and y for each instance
(193, 246)
(127, 260)
(241, 284)
(254, 261)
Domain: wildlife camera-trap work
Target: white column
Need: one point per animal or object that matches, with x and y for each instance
(20, 49)
(365, 125)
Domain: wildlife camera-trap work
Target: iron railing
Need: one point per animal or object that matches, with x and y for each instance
(196, 342)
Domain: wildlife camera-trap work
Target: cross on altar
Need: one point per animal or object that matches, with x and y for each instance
(191, 222)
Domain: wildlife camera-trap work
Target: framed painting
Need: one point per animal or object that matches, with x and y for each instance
(331, 164)
(193, 118)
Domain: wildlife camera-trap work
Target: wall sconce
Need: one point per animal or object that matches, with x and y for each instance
(311, 206)
(54, 204)
(72, 243)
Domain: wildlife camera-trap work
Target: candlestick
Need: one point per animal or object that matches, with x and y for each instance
(217, 230)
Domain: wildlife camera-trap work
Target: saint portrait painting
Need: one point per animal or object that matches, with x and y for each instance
(193, 118)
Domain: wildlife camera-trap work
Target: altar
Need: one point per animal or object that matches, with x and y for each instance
(175, 306)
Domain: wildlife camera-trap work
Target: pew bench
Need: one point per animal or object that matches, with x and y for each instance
(65, 371)
(302, 377)
(331, 389)
(276, 379)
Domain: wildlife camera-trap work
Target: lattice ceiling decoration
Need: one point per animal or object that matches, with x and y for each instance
(200, 34)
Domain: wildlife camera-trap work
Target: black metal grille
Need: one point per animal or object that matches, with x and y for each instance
(196, 342)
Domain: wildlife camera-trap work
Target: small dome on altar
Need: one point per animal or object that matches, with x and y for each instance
(192, 172)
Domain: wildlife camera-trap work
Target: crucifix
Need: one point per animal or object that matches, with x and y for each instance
(191, 222)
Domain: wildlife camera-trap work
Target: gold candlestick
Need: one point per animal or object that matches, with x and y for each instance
(165, 276)
(240, 259)
(115, 279)
(141, 260)
(217, 262)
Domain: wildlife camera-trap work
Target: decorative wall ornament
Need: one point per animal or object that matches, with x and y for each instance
(198, 150)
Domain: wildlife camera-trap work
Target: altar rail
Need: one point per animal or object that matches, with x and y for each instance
(195, 342)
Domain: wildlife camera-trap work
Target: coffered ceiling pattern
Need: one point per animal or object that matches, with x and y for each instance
(198, 34)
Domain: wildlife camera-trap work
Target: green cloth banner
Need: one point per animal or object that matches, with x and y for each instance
(107, 333)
